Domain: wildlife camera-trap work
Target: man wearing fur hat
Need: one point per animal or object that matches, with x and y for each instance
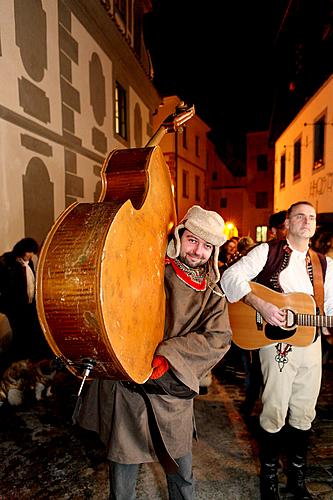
(155, 421)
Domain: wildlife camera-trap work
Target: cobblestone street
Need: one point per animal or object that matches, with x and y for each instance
(44, 456)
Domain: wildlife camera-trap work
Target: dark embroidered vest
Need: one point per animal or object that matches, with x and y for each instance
(277, 260)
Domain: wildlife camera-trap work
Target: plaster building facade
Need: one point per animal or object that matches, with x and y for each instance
(75, 87)
(87, 90)
(304, 156)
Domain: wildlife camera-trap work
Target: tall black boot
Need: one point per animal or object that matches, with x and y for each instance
(269, 452)
(298, 441)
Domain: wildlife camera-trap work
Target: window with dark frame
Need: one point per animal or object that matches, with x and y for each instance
(130, 15)
(185, 184)
(184, 134)
(120, 111)
(297, 160)
(120, 5)
(318, 143)
(197, 145)
(283, 170)
(262, 163)
(262, 199)
(223, 202)
(197, 188)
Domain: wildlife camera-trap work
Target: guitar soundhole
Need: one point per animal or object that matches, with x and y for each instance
(277, 333)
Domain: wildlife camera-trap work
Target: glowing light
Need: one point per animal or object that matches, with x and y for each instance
(230, 229)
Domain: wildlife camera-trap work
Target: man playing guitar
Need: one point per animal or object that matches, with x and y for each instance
(291, 374)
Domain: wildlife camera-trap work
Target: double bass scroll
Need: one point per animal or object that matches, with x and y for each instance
(100, 278)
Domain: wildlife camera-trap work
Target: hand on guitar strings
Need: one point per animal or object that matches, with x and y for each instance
(160, 367)
(270, 312)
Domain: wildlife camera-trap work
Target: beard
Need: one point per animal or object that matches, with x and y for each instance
(197, 262)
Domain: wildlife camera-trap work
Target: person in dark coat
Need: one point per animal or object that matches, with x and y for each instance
(154, 421)
(277, 225)
(17, 301)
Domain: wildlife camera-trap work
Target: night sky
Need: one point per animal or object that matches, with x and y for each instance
(218, 55)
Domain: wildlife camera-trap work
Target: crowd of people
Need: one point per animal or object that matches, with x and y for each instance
(154, 421)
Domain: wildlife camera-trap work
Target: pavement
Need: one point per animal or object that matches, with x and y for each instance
(44, 456)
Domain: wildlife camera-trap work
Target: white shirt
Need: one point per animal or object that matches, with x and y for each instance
(30, 280)
(235, 279)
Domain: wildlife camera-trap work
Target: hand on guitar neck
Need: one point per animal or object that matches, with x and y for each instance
(270, 312)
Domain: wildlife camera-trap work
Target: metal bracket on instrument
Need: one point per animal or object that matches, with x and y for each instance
(88, 365)
(259, 321)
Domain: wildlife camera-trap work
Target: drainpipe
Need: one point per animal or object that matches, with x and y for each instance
(176, 172)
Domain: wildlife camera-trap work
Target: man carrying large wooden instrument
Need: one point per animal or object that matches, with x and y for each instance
(291, 372)
(155, 421)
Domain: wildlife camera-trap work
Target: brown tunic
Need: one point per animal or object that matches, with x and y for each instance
(197, 336)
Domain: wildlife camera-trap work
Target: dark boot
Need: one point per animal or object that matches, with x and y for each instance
(269, 451)
(298, 445)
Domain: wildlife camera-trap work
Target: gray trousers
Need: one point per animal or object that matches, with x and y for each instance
(180, 485)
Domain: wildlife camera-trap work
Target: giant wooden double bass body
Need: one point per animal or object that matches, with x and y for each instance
(100, 291)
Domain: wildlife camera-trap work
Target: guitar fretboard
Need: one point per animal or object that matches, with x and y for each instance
(312, 320)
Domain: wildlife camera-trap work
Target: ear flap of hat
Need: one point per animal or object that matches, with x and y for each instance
(215, 264)
(173, 249)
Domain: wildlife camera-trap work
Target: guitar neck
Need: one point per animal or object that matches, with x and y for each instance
(157, 137)
(312, 320)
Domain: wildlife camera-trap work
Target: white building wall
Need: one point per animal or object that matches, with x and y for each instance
(314, 185)
(27, 139)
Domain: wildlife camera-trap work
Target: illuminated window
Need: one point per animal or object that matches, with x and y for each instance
(120, 111)
(261, 233)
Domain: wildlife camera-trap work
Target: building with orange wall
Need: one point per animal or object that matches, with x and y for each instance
(246, 202)
(186, 155)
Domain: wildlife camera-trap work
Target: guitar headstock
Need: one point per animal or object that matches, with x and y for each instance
(182, 114)
(172, 123)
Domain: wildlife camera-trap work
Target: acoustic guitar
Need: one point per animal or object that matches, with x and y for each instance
(250, 331)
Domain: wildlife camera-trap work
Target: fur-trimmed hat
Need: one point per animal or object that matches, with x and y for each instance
(204, 224)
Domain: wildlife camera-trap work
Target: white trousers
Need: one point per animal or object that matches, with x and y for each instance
(293, 392)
